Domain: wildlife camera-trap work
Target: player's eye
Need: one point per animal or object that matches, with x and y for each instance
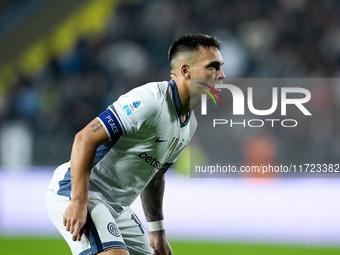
(215, 67)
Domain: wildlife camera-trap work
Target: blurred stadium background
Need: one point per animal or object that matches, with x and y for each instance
(62, 62)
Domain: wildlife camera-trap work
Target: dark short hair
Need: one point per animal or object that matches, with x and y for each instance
(190, 42)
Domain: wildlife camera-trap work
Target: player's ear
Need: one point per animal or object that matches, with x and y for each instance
(185, 71)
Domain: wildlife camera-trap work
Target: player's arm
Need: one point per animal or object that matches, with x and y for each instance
(152, 202)
(83, 152)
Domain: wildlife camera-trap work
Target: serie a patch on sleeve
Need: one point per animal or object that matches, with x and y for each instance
(131, 104)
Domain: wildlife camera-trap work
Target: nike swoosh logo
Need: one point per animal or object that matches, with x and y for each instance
(159, 140)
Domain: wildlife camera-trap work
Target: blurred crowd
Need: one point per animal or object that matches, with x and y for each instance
(261, 38)
(5, 4)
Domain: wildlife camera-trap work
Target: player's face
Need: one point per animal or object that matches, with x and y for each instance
(207, 70)
(208, 65)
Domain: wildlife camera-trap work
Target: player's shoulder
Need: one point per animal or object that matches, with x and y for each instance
(149, 96)
(143, 102)
(151, 90)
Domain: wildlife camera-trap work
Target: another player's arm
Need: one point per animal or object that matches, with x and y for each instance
(152, 202)
(83, 152)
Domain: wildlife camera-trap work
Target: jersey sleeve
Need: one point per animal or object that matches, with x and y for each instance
(140, 106)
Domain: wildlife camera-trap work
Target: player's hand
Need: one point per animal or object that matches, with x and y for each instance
(159, 243)
(74, 219)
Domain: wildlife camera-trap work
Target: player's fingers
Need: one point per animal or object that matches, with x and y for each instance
(72, 228)
(67, 224)
(76, 231)
(80, 234)
(75, 234)
(74, 238)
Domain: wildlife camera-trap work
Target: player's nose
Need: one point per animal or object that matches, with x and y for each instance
(220, 74)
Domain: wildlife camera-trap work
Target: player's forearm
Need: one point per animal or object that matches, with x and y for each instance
(82, 156)
(152, 199)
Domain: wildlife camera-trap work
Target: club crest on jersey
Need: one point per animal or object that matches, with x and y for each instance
(130, 108)
(113, 229)
(172, 143)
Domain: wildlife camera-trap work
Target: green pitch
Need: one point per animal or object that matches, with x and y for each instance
(56, 246)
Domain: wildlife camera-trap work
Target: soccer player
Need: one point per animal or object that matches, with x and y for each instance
(125, 152)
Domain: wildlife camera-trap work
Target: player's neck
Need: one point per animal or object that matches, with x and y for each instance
(184, 94)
